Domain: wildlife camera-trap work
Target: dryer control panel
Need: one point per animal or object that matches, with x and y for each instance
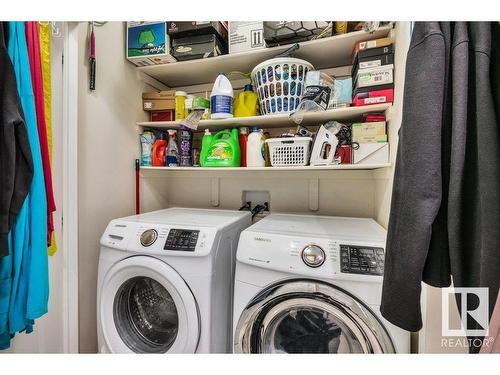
(181, 240)
(363, 260)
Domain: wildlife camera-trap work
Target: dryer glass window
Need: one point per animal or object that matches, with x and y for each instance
(145, 316)
(309, 330)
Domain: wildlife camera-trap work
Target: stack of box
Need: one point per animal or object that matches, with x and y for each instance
(370, 140)
(373, 72)
(197, 39)
(161, 105)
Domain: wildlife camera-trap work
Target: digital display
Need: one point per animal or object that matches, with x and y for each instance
(181, 240)
(366, 252)
(362, 260)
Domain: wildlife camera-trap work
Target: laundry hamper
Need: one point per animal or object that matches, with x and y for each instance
(287, 152)
(280, 84)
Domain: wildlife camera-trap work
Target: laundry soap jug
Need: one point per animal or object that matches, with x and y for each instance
(246, 103)
(224, 150)
(255, 149)
(206, 141)
(158, 151)
(221, 98)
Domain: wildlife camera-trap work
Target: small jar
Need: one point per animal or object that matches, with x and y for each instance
(180, 105)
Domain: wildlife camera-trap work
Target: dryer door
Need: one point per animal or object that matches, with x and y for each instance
(306, 316)
(146, 307)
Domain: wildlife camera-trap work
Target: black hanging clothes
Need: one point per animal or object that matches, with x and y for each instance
(445, 210)
(16, 165)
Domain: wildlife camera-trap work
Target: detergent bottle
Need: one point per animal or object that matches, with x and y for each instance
(246, 103)
(206, 141)
(158, 152)
(172, 159)
(221, 98)
(147, 140)
(243, 139)
(255, 148)
(224, 150)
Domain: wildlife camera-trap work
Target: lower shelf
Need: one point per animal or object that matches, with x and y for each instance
(274, 169)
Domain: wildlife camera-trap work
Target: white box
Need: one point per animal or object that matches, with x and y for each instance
(246, 36)
(371, 153)
(148, 43)
(378, 75)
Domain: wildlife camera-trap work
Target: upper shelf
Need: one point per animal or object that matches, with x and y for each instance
(277, 121)
(321, 53)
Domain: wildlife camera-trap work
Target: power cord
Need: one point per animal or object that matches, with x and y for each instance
(259, 208)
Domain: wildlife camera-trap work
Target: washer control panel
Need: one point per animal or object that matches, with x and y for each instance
(313, 256)
(148, 237)
(363, 260)
(181, 240)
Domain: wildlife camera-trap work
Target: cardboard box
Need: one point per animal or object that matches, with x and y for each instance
(363, 54)
(371, 153)
(158, 101)
(148, 43)
(372, 62)
(197, 47)
(368, 130)
(286, 32)
(246, 36)
(191, 28)
(368, 44)
(163, 115)
(380, 75)
(374, 96)
(342, 93)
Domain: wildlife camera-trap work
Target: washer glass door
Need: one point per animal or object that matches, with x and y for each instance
(308, 316)
(145, 315)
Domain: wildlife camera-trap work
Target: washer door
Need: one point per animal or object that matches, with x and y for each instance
(146, 307)
(306, 316)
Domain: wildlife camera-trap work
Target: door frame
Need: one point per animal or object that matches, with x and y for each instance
(70, 188)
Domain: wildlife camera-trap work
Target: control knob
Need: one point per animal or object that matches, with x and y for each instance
(148, 237)
(313, 256)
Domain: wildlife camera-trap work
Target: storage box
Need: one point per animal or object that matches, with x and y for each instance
(372, 62)
(368, 44)
(158, 101)
(286, 32)
(163, 115)
(374, 96)
(368, 130)
(342, 93)
(197, 47)
(148, 43)
(246, 36)
(380, 75)
(344, 154)
(190, 28)
(371, 153)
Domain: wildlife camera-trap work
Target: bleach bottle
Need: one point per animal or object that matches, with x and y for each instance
(221, 98)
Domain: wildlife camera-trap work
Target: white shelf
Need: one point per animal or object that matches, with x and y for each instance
(272, 169)
(276, 121)
(321, 53)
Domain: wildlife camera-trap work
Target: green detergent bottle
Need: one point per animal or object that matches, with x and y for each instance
(223, 150)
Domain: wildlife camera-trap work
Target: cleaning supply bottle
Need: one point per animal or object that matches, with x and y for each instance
(221, 98)
(246, 103)
(243, 139)
(172, 150)
(255, 148)
(158, 152)
(147, 141)
(180, 105)
(206, 141)
(224, 150)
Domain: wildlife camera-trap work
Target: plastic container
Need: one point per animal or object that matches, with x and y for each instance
(221, 98)
(246, 103)
(180, 105)
(255, 149)
(224, 150)
(158, 152)
(286, 152)
(206, 141)
(280, 84)
(185, 145)
(243, 139)
(172, 150)
(147, 141)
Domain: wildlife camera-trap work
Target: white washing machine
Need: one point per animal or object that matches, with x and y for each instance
(165, 281)
(312, 284)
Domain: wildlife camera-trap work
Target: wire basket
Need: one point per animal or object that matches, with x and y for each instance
(280, 84)
(285, 152)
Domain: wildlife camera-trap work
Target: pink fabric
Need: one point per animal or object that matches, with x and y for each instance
(33, 43)
(492, 342)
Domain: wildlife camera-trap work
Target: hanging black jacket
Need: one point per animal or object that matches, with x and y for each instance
(445, 209)
(16, 166)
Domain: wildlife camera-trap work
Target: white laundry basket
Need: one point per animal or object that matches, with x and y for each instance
(286, 152)
(280, 84)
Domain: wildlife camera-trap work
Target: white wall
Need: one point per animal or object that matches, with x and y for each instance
(108, 143)
(48, 335)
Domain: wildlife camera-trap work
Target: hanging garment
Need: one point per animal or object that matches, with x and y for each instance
(45, 34)
(445, 205)
(33, 43)
(27, 264)
(16, 166)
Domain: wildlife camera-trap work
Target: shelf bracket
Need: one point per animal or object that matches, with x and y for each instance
(314, 194)
(215, 189)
